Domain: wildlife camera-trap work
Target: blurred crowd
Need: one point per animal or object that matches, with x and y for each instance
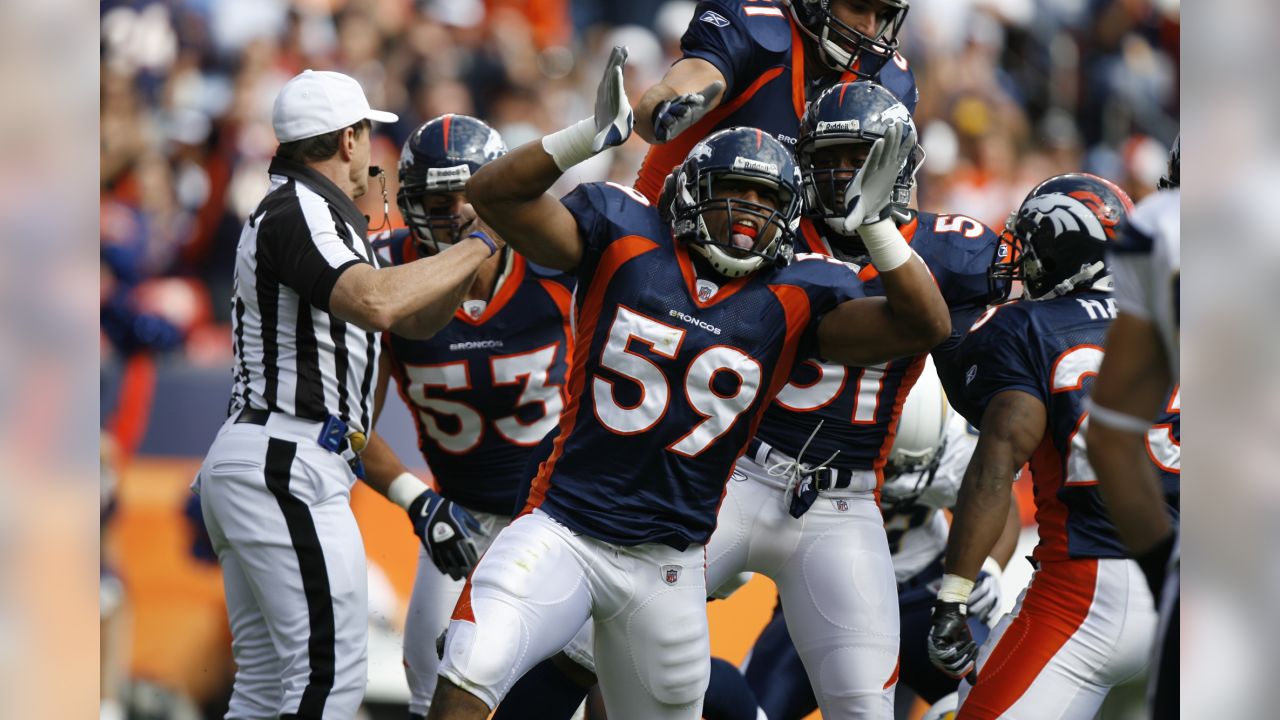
(1012, 91)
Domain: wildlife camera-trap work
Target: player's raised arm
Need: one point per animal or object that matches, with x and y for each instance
(690, 89)
(510, 193)
(912, 317)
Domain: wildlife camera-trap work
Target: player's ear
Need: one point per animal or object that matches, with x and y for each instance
(347, 144)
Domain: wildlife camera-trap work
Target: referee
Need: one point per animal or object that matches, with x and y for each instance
(309, 304)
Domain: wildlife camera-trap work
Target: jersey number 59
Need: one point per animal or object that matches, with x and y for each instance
(718, 410)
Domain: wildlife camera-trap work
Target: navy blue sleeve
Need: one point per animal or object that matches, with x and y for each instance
(740, 46)
(587, 205)
(998, 355)
(946, 354)
(897, 78)
(827, 282)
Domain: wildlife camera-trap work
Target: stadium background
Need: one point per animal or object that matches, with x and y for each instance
(1012, 91)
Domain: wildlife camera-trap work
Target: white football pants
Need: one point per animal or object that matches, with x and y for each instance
(433, 598)
(278, 509)
(537, 585)
(835, 579)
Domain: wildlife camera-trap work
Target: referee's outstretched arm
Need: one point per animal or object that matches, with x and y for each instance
(413, 300)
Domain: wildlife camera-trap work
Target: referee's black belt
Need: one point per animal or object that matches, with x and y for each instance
(343, 443)
(827, 478)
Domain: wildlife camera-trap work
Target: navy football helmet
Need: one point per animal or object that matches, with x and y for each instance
(753, 233)
(856, 113)
(438, 158)
(843, 48)
(1171, 178)
(1056, 241)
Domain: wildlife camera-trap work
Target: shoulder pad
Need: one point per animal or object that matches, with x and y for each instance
(766, 23)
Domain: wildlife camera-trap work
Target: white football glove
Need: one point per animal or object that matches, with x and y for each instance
(674, 116)
(868, 196)
(984, 601)
(613, 111)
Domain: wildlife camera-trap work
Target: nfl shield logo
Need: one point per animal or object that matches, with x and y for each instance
(841, 504)
(670, 574)
(706, 289)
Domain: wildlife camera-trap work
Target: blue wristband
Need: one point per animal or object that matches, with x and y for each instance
(493, 247)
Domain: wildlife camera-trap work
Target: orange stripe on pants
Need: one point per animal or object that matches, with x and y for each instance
(1056, 604)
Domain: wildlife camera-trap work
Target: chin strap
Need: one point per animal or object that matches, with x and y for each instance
(1080, 280)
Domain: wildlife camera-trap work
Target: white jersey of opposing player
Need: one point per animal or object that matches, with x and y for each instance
(921, 531)
(1147, 278)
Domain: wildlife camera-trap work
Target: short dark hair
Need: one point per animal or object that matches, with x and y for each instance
(319, 147)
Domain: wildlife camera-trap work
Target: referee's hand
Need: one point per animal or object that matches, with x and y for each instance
(445, 529)
(472, 223)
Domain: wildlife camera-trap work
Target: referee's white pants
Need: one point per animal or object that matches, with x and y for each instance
(834, 576)
(433, 598)
(278, 510)
(540, 582)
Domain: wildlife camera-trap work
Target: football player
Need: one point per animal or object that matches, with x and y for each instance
(830, 429)
(755, 63)
(1131, 387)
(931, 449)
(686, 329)
(483, 391)
(1086, 621)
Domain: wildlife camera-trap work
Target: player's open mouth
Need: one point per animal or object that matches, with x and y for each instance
(743, 237)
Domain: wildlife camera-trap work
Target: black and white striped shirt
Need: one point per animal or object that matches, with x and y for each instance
(292, 355)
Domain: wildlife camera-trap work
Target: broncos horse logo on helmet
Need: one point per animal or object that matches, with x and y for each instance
(435, 164)
(841, 46)
(742, 234)
(849, 114)
(1055, 242)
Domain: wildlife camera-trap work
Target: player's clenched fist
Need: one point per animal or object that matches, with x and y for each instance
(674, 116)
(951, 645)
(445, 529)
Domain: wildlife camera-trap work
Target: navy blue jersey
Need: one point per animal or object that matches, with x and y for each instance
(665, 388)
(487, 387)
(859, 407)
(756, 45)
(1051, 350)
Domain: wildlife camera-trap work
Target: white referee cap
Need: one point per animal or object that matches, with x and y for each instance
(316, 102)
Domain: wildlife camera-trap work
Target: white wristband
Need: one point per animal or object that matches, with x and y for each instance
(885, 244)
(955, 589)
(991, 566)
(405, 489)
(1115, 419)
(572, 145)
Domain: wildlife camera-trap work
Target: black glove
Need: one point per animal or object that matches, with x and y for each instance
(951, 645)
(1155, 565)
(674, 116)
(445, 530)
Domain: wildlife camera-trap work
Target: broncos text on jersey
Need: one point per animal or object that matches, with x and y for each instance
(488, 387)
(757, 47)
(859, 407)
(665, 387)
(1051, 350)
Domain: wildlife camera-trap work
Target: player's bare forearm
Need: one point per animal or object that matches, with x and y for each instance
(1129, 486)
(510, 195)
(1134, 381)
(910, 319)
(1012, 426)
(1134, 378)
(1008, 541)
(381, 464)
(686, 76)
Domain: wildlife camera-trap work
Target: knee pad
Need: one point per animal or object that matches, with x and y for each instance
(480, 657)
